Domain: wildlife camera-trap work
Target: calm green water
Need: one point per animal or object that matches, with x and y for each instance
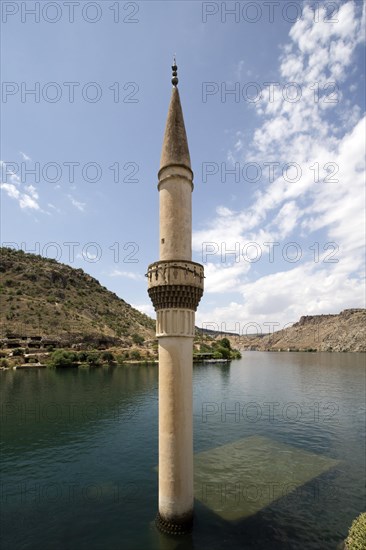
(79, 455)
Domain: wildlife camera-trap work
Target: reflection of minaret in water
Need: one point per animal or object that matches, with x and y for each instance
(175, 286)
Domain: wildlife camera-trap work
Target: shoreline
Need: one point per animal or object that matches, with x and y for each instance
(34, 366)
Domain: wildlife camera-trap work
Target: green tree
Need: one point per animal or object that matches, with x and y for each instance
(225, 343)
(204, 348)
(93, 359)
(226, 353)
(135, 355)
(107, 356)
(62, 358)
(82, 356)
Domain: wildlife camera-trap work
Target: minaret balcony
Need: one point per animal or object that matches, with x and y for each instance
(175, 284)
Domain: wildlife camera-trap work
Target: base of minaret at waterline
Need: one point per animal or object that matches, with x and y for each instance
(180, 525)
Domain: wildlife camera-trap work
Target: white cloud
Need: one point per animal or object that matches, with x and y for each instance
(24, 200)
(145, 308)
(27, 201)
(287, 219)
(8, 175)
(284, 297)
(12, 191)
(307, 132)
(79, 205)
(25, 157)
(32, 191)
(87, 256)
(127, 274)
(224, 277)
(26, 196)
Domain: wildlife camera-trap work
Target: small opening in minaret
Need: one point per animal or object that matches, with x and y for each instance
(162, 241)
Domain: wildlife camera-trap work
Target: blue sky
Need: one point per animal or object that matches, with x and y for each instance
(292, 130)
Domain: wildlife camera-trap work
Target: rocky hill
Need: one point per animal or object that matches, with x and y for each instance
(345, 331)
(44, 301)
(41, 298)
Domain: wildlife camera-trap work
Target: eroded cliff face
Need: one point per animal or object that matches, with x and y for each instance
(345, 331)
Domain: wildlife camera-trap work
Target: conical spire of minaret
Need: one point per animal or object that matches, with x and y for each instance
(175, 146)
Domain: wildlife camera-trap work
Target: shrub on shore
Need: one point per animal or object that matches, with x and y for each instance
(107, 356)
(137, 339)
(223, 350)
(356, 539)
(63, 359)
(93, 359)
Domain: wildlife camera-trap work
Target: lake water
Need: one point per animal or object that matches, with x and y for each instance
(279, 455)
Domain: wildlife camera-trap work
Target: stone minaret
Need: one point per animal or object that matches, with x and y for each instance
(175, 286)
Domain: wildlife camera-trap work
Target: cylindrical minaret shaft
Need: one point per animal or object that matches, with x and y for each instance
(175, 286)
(175, 194)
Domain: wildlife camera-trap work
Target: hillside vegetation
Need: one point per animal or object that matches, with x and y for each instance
(41, 297)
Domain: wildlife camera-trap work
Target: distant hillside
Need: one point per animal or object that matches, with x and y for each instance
(345, 331)
(41, 297)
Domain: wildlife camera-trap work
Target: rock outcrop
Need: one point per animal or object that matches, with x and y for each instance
(345, 331)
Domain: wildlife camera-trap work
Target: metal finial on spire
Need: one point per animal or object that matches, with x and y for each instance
(174, 69)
